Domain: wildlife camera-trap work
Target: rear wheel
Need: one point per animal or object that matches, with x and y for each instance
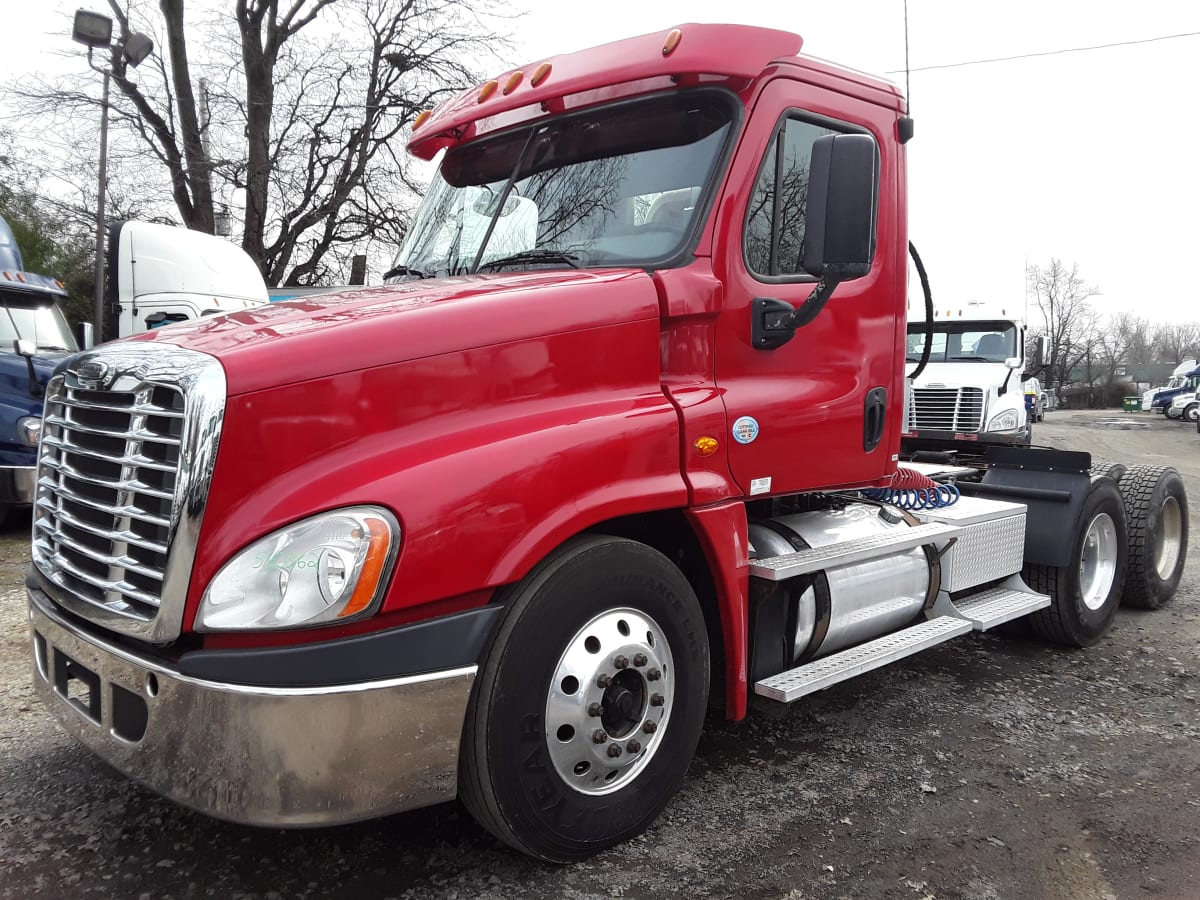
(589, 704)
(1157, 512)
(1086, 592)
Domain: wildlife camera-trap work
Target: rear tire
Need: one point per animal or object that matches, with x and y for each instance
(602, 646)
(1086, 592)
(1113, 470)
(1157, 514)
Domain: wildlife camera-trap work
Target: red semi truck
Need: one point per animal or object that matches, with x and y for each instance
(618, 443)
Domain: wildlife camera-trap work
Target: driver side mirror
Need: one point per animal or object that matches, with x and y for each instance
(25, 348)
(839, 218)
(1013, 362)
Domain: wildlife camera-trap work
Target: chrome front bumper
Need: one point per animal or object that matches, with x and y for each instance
(283, 757)
(18, 484)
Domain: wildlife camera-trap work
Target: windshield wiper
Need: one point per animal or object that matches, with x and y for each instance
(404, 270)
(978, 358)
(52, 347)
(533, 256)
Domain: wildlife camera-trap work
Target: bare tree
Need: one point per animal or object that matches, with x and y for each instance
(1063, 299)
(300, 107)
(1177, 341)
(1137, 336)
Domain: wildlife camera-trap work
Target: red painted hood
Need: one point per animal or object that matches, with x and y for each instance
(328, 334)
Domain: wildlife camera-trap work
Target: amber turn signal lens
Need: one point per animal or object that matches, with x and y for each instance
(422, 118)
(513, 82)
(372, 568)
(540, 74)
(706, 445)
(672, 41)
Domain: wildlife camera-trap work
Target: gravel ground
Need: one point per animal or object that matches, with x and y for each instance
(986, 768)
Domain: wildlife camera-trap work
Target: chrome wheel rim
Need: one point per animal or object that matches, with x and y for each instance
(1168, 538)
(613, 687)
(1098, 564)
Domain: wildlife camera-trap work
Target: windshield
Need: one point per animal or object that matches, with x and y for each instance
(614, 186)
(964, 341)
(42, 323)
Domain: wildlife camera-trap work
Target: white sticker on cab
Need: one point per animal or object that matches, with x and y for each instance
(760, 486)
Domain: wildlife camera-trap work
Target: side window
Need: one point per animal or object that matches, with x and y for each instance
(775, 221)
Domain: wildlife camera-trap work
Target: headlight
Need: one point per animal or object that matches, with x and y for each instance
(332, 567)
(1004, 421)
(29, 430)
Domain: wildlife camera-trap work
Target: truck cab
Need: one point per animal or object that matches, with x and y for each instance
(971, 391)
(34, 339)
(161, 275)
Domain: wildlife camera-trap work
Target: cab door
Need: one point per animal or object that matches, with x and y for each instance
(822, 410)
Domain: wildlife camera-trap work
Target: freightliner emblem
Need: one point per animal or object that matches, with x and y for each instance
(92, 373)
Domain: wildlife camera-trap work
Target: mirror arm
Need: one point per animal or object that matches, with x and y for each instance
(1004, 387)
(814, 303)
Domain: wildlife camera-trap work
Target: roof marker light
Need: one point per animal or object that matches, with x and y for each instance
(540, 74)
(488, 89)
(672, 41)
(513, 82)
(422, 118)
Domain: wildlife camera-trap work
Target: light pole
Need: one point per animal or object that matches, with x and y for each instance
(95, 30)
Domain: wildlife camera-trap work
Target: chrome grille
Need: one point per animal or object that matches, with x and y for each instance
(947, 409)
(124, 467)
(106, 486)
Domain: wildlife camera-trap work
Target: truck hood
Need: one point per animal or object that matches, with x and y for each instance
(329, 334)
(966, 374)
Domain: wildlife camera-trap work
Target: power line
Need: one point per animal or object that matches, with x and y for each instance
(977, 62)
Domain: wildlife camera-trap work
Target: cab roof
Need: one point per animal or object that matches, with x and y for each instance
(686, 55)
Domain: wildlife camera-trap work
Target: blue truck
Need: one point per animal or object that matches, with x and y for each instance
(34, 338)
(1185, 378)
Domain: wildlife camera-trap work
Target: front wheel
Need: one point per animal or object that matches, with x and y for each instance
(1086, 592)
(1192, 412)
(589, 703)
(1171, 412)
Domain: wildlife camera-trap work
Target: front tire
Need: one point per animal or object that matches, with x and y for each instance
(588, 707)
(1086, 592)
(1157, 512)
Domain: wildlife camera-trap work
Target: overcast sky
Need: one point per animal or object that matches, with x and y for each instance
(1089, 156)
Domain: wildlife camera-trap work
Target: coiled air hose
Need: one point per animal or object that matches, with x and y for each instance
(912, 490)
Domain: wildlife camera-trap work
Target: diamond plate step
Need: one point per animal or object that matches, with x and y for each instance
(823, 673)
(998, 605)
(781, 568)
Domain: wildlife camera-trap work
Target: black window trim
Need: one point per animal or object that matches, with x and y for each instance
(777, 136)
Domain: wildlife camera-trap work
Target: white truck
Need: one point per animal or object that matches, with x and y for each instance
(970, 391)
(161, 274)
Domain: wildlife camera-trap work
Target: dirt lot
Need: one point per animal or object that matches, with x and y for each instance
(987, 768)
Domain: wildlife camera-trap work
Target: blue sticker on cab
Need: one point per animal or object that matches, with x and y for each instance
(745, 429)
